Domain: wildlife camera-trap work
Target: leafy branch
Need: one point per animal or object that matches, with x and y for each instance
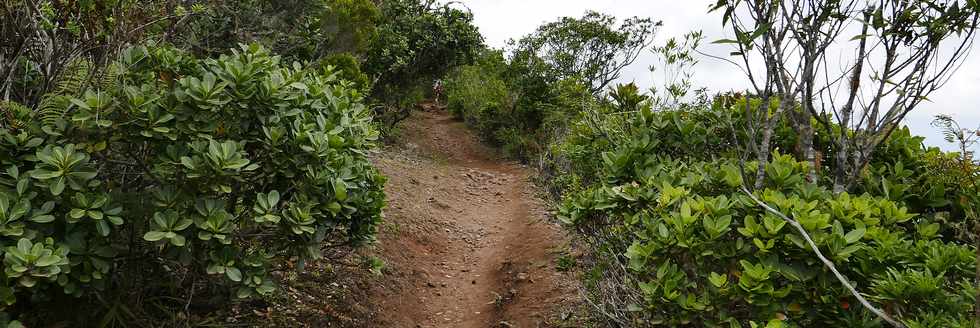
(829, 264)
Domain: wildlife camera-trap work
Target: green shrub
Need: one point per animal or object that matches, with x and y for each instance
(296, 29)
(186, 169)
(417, 42)
(348, 69)
(77, 38)
(696, 251)
(479, 96)
(349, 25)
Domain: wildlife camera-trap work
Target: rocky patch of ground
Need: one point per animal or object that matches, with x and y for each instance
(467, 241)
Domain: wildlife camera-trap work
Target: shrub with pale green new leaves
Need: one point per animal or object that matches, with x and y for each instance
(696, 251)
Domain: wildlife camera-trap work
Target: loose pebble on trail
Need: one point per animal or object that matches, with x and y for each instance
(467, 242)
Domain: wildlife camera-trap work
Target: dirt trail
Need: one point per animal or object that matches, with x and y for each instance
(467, 243)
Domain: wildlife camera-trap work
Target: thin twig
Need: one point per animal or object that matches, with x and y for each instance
(588, 299)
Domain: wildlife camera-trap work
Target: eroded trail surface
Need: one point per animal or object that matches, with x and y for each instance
(466, 242)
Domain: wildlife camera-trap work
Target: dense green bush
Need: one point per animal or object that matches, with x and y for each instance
(291, 27)
(571, 162)
(943, 185)
(43, 43)
(184, 169)
(302, 30)
(349, 26)
(549, 79)
(482, 95)
(594, 48)
(478, 95)
(417, 42)
(390, 50)
(666, 207)
(348, 69)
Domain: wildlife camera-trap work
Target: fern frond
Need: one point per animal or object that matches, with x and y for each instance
(108, 79)
(14, 115)
(72, 81)
(73, 78)
(52, 108)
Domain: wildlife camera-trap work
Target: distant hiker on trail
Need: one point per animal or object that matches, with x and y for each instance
(437, 90)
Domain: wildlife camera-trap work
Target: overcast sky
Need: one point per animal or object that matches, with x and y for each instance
(501, 20)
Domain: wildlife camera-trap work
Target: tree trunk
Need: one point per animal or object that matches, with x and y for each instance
(762, 149)
(840, 164)
(806, 146)
(841, 168)
(769, 124)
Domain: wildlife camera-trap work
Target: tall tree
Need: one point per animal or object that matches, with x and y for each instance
(855, 67)
(592, 48)
(420, 40)
(349, 25)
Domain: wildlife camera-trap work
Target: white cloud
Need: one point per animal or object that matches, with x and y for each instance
(501, 20)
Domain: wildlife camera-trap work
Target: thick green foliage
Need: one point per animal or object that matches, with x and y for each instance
(478, 95)
(192, 168)
(417, 42)
(665, 203)
(390, 50)
(302, 30)
(551, 77)
(291, 28)
(572, 161)
(348, 69)
(46, 44)
(350, 25)
(591, 48)
(487, 100)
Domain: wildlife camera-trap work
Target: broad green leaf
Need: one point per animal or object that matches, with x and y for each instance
(234, 274)
(273, 198)
(22, 185)
(20, 209)
(798, 241)
(42, 174)
(57, 186)
(854, 236)
(47, 218)
(178, 240)
(102, 227)
(340, 190)
(47, 260)
(718, 280)
(154, 235)
(76, 213)
(97, 215)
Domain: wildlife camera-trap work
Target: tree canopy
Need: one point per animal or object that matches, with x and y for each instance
(592, 48)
